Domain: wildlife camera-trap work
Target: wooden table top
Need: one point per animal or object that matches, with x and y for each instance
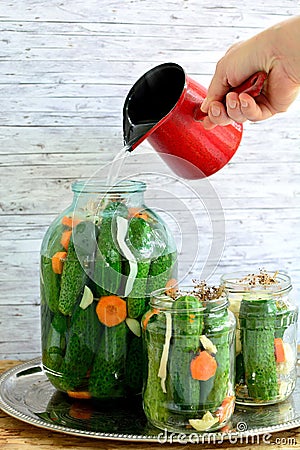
(18, 435)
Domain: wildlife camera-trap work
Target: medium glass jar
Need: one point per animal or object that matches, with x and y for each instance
(189, 348)
(100, 259)
(266, 337)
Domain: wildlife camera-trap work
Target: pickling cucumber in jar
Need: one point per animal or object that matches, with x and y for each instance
(99, 259)
(189, 344)
(266, 349)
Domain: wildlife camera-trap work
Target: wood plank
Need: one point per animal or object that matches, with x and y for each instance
(65, 70)
(144, 12)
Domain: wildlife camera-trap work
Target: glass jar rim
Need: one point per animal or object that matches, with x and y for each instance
(233, 282)
(99, 186)
(159, 299)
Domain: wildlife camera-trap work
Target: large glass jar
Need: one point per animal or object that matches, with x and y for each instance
(189, 347)
(266, 337)
(100, 259)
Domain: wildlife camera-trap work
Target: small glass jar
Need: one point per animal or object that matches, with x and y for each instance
(100, 259)
(266, 337)
(189, 348)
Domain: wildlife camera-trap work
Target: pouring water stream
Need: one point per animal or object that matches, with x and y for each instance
(117, 165)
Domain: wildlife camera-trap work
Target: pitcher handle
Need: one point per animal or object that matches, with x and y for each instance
(252, 86)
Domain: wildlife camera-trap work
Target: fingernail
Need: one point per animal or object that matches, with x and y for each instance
(215, 110)
(244, 103)
(232, 103)
(204, 105)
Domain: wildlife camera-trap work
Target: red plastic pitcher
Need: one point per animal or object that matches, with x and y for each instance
(163, 106)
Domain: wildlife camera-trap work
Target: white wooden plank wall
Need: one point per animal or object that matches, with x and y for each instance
(65, 69)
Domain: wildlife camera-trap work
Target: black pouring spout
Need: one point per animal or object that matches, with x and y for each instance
(150, 99)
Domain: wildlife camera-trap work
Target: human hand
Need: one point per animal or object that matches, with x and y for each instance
(276, 51)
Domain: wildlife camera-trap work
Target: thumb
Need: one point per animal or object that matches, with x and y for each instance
(218, 88)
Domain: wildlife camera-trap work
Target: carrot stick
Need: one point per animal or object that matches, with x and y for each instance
(203, 366)
(65, 238)
(279, 350)
(69, 222)
(58, 262)
(111, 310)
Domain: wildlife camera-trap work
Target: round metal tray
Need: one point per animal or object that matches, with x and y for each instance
(27, 395)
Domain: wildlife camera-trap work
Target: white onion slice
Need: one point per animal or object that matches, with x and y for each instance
(87, 298)
(162, 372)
(122, 228)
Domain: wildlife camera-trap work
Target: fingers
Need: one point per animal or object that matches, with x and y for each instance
(239, 108)
(219, 86)
(216, 115)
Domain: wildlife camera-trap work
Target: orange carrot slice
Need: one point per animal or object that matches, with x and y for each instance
(79, 394)
(226, 409)
(136, 212)
(171, 288)
(111, 310)
(141, 215)
(203, 366)
(58, 262)
(148, 316)
(225, 429)
(279, 350)
(65, 238)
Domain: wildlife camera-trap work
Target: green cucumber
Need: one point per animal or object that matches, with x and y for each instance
(141, 242)
(107, 275)
(54, 243)
(84, 237)
(108, 371)
(84, 335)
(239, 369)
(217, 329)
(54, 350)
(73, 279)
(257, 322)
(154, 399)
(50, 281)
(134, 365)
(284, 318)
(78, 265)
(50, 284)
(60, 323)
(55, 343)
(141, 239)
(137, 301)
(162, 269)
(46, 318)
(187, 328)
